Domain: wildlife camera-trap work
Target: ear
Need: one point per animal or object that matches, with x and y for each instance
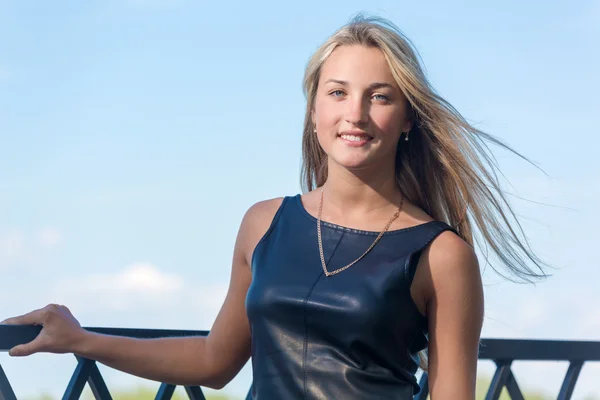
(408, 126)
(410, 119)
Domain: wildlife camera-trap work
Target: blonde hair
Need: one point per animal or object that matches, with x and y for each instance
(446, 168)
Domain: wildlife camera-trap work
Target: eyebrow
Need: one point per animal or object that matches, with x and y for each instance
(374, 85)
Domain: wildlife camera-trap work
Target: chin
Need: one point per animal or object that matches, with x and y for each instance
(360, 159)
(353, 161)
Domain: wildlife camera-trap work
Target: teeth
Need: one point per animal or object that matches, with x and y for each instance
(354, 138)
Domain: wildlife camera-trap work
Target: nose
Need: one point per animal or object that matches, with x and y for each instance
(357, 111)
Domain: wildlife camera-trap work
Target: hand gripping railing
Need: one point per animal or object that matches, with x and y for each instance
(86, 370)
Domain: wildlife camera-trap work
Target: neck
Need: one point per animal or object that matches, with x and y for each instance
(361, 192)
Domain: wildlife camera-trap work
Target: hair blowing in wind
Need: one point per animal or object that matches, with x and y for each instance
(446, 168)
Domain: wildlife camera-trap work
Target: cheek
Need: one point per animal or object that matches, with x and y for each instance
(389, 123)
(327, 115)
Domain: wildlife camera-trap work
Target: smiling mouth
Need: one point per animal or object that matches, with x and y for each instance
(352, 137)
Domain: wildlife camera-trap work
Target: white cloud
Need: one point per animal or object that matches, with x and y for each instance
(145, 278)
(49, 237)
(137, 286)
(19, 249)
(12, 248)
(587, 319)
(142, 290)
(533, 313)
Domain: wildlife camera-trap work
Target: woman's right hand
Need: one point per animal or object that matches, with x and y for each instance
(61, 332)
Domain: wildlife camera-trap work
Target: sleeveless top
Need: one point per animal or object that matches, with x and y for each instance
(353, 335)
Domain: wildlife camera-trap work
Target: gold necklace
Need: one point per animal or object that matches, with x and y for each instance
(387, 226)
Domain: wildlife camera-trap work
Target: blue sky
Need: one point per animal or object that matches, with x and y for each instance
(134, 134)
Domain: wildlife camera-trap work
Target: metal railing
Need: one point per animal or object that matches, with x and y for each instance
(501, 351)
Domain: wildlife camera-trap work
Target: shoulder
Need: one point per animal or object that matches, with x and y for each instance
(262, 211)
(256, 223)
(451, 264)
(449, 250)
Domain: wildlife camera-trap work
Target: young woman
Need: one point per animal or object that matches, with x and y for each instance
(334, 293)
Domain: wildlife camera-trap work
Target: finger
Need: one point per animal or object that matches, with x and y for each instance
(26, 349)
(31, 318)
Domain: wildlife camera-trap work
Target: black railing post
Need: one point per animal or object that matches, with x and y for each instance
(568, 385)
(78, 379)
(424, 384)
(6, 392)
(513, 388)
(96, 383)
(249, 395)
(194, 393)
(165, 392)
(499, 380)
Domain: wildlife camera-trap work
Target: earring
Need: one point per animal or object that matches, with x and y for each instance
(315, 130)
(406, 137)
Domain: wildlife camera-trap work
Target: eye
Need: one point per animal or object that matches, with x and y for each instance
(381, 97)
(337, 93)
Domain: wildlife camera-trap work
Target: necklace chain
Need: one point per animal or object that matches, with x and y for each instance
(387, 226)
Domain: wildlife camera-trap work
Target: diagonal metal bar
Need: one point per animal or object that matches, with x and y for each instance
(499, 380)
(249, 395)
(424, 385)
(195, 393)
(6, 392)
(568, 385)
(513, 388)
(165, 392)
(97, 384)
(78, 379)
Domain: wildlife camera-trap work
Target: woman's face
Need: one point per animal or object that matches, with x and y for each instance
(359, 111)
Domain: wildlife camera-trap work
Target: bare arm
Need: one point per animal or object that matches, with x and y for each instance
(212, 361)
(455, 313)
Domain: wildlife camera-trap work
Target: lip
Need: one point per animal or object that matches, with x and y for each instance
(358, 143)
(356, 133)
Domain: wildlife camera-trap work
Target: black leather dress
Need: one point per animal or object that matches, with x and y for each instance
(353, 335)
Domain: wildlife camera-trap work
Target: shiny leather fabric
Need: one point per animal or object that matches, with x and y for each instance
(353, 335)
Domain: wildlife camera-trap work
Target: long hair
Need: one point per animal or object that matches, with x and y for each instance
(446, 167)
